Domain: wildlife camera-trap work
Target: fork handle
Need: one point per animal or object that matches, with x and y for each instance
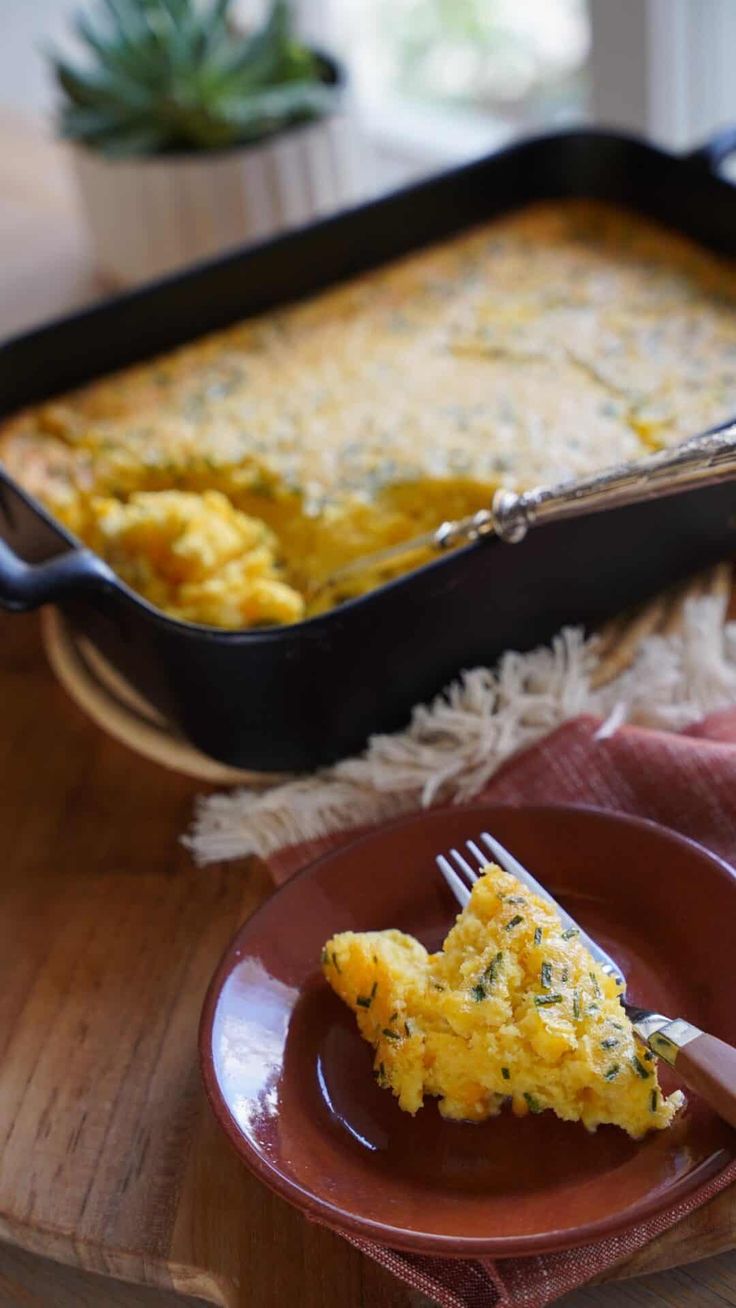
(708, 1066)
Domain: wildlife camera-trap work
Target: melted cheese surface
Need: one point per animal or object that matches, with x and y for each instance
(537, 347)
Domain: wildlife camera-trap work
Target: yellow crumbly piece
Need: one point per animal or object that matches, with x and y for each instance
(512, 1008)
(539, 346)
(196, 557)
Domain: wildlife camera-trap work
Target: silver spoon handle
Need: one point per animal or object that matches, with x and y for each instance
(697, 462)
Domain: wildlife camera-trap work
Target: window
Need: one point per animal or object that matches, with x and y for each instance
(481, 68)
(441, 80)
(438, 81)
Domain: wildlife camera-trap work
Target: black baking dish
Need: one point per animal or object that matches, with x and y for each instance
(291, 698)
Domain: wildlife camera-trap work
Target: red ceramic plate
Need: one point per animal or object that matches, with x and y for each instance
(290, 1079)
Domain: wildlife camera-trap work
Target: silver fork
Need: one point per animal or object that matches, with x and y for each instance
(704, 1063)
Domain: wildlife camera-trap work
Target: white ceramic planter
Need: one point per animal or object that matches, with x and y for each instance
(149, 216)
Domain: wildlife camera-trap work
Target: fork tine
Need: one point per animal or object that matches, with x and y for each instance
(463, 866)
(477, 853)
(462, 877)
(522, 874)
(456, 883)
(506, 859)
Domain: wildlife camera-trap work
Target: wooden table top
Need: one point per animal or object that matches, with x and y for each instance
(110, 1160)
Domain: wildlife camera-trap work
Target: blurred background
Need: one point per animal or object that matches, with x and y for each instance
(432, 83)
(438, 80)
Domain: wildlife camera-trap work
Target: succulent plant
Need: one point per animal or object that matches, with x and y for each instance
(169, 75)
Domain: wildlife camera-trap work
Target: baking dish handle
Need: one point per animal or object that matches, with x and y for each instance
(28, 585)
(715, 151)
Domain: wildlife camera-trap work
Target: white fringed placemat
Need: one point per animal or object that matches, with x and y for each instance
(666, 665)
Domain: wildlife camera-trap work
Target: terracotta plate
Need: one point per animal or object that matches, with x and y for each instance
(290, 1079)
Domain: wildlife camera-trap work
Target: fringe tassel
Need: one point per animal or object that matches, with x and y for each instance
(454, 745)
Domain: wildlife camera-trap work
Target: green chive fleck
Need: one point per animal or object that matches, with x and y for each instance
(491, 971)
(576, 1004)
(335, 962)
(545, 976)
(505, 1073)
(610, 1043)
(612, 1073)
(389, 1034)
(648, 1056)
(596, 987)
(570, 932)
(538, 936)
(534, 1104)
(515, 899)
(639, 1068)
(516, 919)
(543, 1001)
(653, 1100)
(365, 1001)
(407, 1028)
(478, 992)
(394, 1015)
(565, 976)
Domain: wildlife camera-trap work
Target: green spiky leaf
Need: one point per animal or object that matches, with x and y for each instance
(167, 75)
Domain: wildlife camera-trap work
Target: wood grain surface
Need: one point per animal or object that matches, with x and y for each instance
(108, 936)
(110, 1163)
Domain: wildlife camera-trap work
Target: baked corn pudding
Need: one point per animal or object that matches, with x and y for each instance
(513, 1009)
(226, 481)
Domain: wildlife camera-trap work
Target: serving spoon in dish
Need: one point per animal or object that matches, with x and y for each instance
(704, 1063)
(700, 461)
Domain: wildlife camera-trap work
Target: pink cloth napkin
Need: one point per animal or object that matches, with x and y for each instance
(687, 782)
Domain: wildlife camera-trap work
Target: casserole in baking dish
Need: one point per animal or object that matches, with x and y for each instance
(294, 695)
(224, 481)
